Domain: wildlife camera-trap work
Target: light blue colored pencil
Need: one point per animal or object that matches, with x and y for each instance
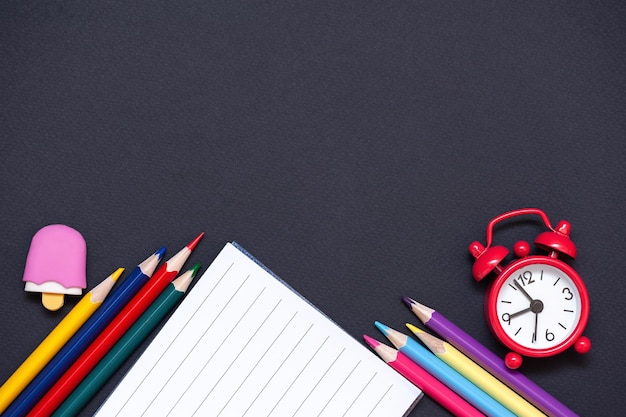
(445, 373)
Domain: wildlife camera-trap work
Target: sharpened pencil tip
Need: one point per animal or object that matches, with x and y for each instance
(408, 301)
(420, 310)
(160, 252)
(195, 269)
(195, 242)
(117, 274)
(382, 327)
(100, 291)
(371, 341)
(414, 329)
(397, 338)
(183, 281)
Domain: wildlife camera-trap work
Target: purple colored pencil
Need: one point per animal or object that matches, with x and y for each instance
(488, 360)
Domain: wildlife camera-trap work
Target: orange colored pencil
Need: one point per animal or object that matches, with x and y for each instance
(113, 332)
(431, 386)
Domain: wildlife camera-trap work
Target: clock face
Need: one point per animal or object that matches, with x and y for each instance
(538, 307)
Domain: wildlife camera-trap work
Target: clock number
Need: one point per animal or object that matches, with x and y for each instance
(568, 293)
(526, 277)
(549, 335)
(506, 317)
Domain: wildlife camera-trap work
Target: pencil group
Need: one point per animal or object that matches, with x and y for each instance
(459, 373)
(95, 338)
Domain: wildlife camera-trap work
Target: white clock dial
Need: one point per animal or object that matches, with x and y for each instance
(538, 306)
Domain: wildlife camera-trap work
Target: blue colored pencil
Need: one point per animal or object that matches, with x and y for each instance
(125, 347)
(84, 336)
(445, 373)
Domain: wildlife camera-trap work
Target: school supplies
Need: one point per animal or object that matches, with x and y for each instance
(431, 386)
(113, 332)
(83, 337)
(436, 367)
(488, 360)
(244, 343)
(56, 264)
(477, 375)
(57, 338)
(126, 345)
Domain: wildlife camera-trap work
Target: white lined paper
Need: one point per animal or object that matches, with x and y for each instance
(242, 343)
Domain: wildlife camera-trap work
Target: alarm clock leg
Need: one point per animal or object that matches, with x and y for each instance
(513, 360)
(582, 345)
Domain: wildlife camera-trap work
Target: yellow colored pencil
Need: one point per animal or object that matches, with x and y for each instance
(475, 373)
(55, 340)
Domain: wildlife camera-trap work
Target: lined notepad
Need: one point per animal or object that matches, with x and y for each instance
(243, 343)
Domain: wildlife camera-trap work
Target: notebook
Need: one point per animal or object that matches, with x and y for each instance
(243, 343)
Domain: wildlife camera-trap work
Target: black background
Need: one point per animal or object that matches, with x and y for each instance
(355, 148)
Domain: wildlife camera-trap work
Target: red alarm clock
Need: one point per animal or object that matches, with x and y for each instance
(538, 305)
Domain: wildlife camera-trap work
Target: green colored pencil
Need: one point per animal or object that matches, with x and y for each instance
(126, 345)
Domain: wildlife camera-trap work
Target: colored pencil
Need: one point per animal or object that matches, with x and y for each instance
(477, 375)
(488, 360)
(440, 370)
(56, 339)
(112, 333)
(126, 345)
(430, 385)
(84, 336)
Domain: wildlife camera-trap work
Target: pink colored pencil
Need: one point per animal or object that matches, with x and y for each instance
(431, 386)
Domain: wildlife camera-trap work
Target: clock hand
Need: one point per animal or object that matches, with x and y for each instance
(517, 284)
(519, 312)
(535, 332)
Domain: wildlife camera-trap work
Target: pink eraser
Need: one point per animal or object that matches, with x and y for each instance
(56, 261)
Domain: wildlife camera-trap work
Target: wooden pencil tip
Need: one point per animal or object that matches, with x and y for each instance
(396, 338)
(184, 280)
(414, 329)
(433, 343)
(408, 301)
(195, 269)
(384, 329)
(195, 242)
(100, 291)
(160, 252)
(371, 341)
(117, 274)
(386, 353)
(422, 312)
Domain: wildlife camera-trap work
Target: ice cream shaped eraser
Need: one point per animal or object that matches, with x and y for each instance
(56, 264)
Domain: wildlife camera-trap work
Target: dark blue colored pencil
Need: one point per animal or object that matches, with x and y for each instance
(84, 336)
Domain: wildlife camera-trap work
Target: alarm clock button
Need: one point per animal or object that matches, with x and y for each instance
(558, 241)
(487, 260)
(521, 249)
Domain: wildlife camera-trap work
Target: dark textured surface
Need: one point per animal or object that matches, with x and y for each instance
(354, 148)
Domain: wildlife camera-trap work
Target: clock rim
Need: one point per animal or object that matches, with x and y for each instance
(491, 315)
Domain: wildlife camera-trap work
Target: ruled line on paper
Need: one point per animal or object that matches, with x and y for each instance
(360, 393)
(222, 343)
(298, 375)
(181, 330)
(278, 369)
(380, 400)
(238, 354)
(339, 388)
(196, 344)
(259, 361)
(320, 380)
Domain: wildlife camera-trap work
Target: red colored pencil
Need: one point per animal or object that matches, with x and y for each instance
(113, 332)
(423, 380)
